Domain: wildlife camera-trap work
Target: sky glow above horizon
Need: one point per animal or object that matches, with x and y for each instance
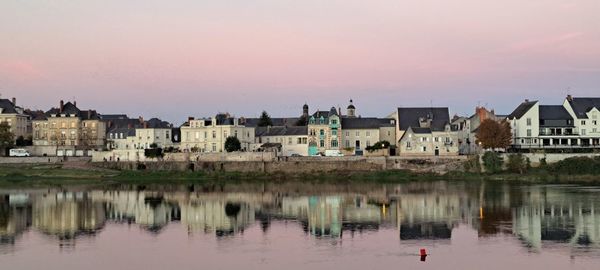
(171, 59)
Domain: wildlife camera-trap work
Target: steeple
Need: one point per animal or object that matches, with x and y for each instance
(351, 110)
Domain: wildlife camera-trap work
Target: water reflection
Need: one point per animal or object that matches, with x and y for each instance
(538, 216)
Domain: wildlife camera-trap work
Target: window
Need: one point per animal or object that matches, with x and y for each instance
(594, 130)
(290, 140)
(423, 139)
(214, 135)
(347, 143)
(529, 133)
(197, 135)
(334, 132)
(299, 141)
(72, 124)
(368, 133)
(322, 143)
(347, 133)
(595, 123)
(529, 121)
(235, 134)
(368, 143)
(583, 122)
(358, 134)
(63, 125)
(407, 144)
(583, 131)
(334, 143)
(322, 132)
(214, 147)
(334, 121)
(424, 149)
(436, 139)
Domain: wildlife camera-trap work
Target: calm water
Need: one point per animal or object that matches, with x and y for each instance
(302, 226)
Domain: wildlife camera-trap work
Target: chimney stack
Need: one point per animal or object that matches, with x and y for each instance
(190, 118)
(129, 126)
(62, 106)
(569, 98)
(141, 119)
(74, 103)
(145, 124)
(89, 114)
(526, 100)
(14, 101)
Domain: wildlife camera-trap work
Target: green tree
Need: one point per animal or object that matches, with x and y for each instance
(517, 163)
(265, 120)
(7, 138)
(493, 134)
(492, 162)
(232, 144)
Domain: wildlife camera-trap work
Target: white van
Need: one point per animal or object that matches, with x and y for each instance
(18, 153)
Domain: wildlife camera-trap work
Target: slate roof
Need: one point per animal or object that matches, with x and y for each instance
(554, 112)
(114, 117)
(366, 123)
(127, 132)
(281, 131)
(409, 117)
(583, 105)
(283, 121)
(522, 109)
(7, 106)
(157, 123)
(419, 130)
(70, 108)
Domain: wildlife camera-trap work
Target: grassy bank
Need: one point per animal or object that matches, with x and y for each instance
(45, 175)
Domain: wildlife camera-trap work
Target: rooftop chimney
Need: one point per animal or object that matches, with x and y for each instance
(129, 126)
(141, 119)
(190, 118)
(62, 106)
(569, 98)
(89, 114)
(145, 124)
(526, 100)
(14, 101)
(75, 103)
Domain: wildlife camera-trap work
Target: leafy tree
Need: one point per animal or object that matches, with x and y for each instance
(153, 153)
(153, 145)
(302, 121)
(492, 162)
(7, 138)
(232, 144)
(265, 120)
(378, 145)
(517, 163)
(494, 135)
(20, 141)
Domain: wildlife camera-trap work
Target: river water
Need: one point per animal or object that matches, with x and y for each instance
(461, 225)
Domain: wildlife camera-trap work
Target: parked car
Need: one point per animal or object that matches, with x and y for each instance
(18, 153)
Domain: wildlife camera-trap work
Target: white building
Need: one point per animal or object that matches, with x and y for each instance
(572, 125)
(425, 131)
(209, 135)
(290, 140)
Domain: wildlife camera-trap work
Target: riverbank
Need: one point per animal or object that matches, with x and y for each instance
(59, 174)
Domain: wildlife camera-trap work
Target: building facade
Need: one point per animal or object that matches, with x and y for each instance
(68, 127)
(572, 126)
(16, 118)
(291, 140)
(324, 129)
(209, 135)
(425, 132)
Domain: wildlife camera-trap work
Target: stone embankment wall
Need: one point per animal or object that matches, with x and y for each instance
(535, 158)
(298, 165)
(37, 160)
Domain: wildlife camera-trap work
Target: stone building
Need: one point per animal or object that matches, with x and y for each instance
(425, 131)
(69, 130)
(324, 132)
(209, 134)
(16, 118)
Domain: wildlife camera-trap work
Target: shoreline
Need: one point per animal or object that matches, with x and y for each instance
(58, 174)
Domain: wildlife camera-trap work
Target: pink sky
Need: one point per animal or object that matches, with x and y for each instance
(187, 57)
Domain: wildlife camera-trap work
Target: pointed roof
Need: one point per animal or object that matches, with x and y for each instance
(582, 105)
(411, 117)
(522, 109)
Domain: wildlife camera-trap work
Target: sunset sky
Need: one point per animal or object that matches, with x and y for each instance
(176, 58)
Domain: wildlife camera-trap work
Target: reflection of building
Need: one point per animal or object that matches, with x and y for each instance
(549, 215)
(15, 218)
(68, 214)
(325, 216)
(217, 216)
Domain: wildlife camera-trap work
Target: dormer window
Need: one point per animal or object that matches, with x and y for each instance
(311, 120)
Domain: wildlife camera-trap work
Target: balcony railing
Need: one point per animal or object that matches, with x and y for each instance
(554, 133)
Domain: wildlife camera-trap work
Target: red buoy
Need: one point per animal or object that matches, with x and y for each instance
(423, 252)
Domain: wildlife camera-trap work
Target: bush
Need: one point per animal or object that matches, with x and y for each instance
(232, 144)
(492, 162)
(473, 164)
(153, 153)
(517, 163)
(576, 165)
(378, 145)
